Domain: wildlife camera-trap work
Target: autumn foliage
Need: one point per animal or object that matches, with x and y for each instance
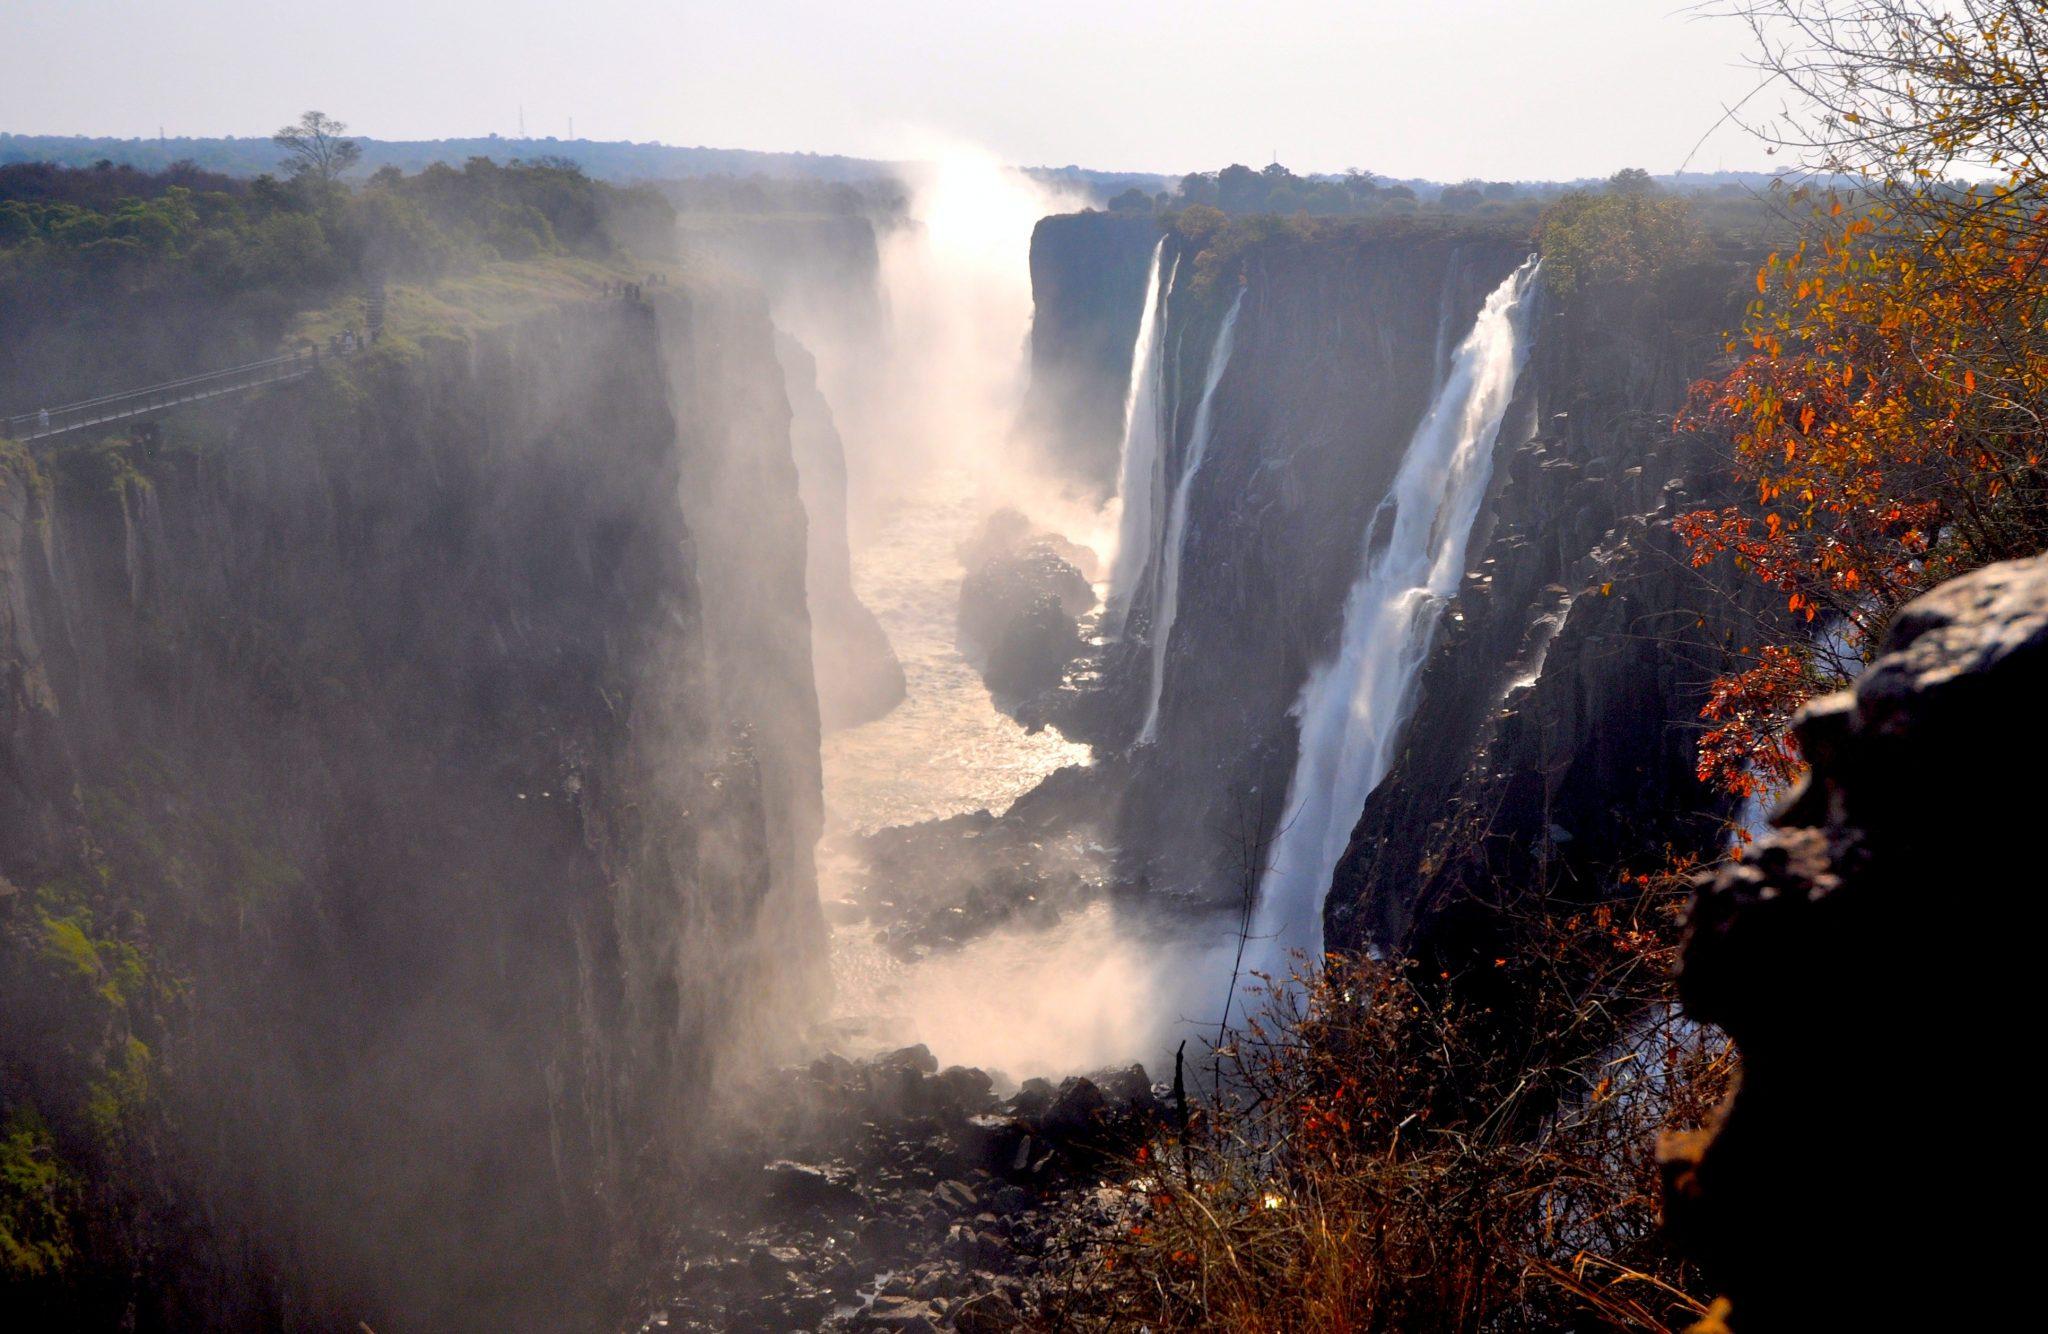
(1886, 409)
(1402, 1147)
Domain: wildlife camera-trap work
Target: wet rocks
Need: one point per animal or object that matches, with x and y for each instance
(1020, 607)
(806, 1187)
(932, 887)
(893, 1193)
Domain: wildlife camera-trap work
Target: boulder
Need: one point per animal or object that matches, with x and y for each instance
(1871, 960)
(804, 1186)
(1079, 1110)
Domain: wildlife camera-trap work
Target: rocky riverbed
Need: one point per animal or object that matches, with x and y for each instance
(889, 1193)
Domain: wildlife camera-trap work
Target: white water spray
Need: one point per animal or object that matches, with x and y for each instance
(1353, 706)
(1166, 605)
(1141, 472)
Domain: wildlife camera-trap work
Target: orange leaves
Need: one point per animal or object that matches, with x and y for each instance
(1857, 424)
(1750, 750)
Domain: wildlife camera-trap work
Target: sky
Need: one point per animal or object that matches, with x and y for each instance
(1496, 89)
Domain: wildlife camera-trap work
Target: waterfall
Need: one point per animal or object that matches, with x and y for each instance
(1166, 603)
(1141, 475)
(1353, 706)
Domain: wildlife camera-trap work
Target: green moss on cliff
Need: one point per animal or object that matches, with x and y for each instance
(38, 1193)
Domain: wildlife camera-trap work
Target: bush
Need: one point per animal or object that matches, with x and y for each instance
(1405, 1150)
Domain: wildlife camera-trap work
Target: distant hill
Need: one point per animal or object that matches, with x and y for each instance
(609, 160)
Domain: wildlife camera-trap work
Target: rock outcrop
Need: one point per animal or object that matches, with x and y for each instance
(1087, 291)
(859, 678)
(1021, 602)
(1878, 1024)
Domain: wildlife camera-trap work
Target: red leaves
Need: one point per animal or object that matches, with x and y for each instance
(1750, 751)
(1858, 424)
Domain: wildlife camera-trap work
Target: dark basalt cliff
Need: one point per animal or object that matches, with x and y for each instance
(1831, 954)
(414, 773)
(1335, 361)
(1088, 290)
(1553, 727)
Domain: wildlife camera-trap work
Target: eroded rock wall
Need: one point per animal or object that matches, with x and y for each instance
(409, 781)
(1552, 736)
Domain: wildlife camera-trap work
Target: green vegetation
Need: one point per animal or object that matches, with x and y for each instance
(111, 276)
(1237, 189)
(37, 1190)
(1628, 233)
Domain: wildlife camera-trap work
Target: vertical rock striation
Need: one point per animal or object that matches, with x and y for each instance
(1553, 729)
(407, 789)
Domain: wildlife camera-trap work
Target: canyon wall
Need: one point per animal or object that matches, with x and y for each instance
(407, 787)
(1087, 289)
(822, 278)
(1552, 724)
(1337, 352)
(1553, 729)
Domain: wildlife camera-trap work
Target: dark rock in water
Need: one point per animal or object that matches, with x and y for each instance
(932, 887)
(1020, 606)
(1822, 1174)
(803, 1186)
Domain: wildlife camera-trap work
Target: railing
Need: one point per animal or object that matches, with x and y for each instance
(137, 402)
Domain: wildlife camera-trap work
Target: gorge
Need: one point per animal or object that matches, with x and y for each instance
(776, 792)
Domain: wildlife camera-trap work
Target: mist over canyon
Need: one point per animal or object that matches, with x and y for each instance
(628, 741)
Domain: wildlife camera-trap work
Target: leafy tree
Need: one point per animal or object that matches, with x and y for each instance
(1617, 236)
(315, 149)
(1631, 181)
(1888, 408)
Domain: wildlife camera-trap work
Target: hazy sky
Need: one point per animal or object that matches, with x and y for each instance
(1449, 89)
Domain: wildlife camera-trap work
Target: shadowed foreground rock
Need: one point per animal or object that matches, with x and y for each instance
(1867, 959)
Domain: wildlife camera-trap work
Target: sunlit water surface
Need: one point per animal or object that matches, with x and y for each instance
(1019, 1001)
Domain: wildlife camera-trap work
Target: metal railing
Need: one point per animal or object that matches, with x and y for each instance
(172, 393)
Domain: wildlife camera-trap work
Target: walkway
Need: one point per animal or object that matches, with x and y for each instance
(173, 393)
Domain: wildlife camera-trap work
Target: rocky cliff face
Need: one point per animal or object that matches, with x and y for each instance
(1336, 358)
(1823, 953)
(1552, 733)
(407, 780)
(1087, 289)
(822, 277)
(1552, 726)
(859, 677)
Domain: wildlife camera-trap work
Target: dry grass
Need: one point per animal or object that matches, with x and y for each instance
(1411, 1150)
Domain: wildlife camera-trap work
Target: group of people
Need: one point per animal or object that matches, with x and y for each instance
(632, 291)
